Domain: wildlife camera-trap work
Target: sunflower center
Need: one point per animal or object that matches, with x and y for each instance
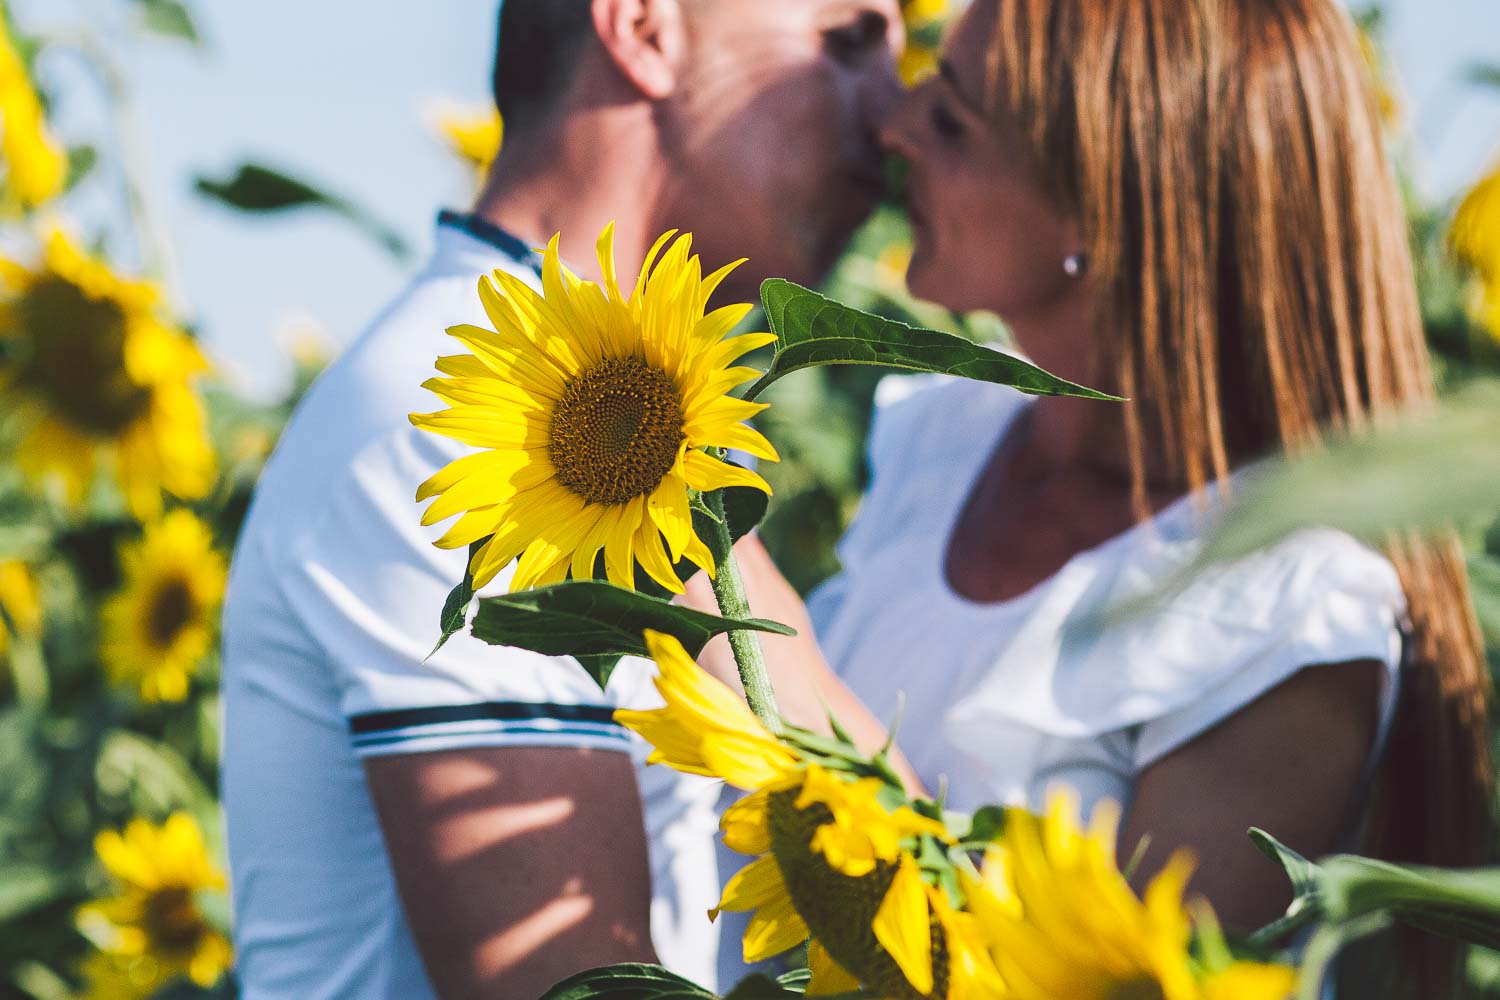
(171, 919)
(74, 356)
(616, 431)
(1136, 989)
(172, 608)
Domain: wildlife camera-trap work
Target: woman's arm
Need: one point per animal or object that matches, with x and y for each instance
(1290, 762)
(806, 687)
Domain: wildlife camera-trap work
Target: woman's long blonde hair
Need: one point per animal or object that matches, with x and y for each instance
(1228, 163)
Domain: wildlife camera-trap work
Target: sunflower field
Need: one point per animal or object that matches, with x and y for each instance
(129, 467)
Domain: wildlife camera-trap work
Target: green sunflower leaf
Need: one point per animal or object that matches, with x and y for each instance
(815, 330)
(598, 623)
(627, 982)
(762, 987)
(1464, 905)
(259, 189)
(1303, 873)
(456, 607)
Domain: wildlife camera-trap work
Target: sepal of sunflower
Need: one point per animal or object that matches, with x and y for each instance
(154, 931)
(598, 415)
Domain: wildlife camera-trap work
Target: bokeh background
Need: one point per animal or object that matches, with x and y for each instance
(272, 172)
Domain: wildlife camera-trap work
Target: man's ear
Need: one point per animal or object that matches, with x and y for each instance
(645, 39)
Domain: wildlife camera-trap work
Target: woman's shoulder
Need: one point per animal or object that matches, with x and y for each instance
(932, 416)
(1278, 585)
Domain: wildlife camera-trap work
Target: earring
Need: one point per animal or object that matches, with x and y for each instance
(1073, 264)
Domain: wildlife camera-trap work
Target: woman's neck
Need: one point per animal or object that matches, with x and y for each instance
(1087, 437)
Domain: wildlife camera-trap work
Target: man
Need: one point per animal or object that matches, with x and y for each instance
(474, 824)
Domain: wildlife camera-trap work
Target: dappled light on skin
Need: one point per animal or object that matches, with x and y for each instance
(476, 831)
(502, 951)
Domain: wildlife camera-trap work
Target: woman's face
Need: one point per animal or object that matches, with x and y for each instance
(986, 234)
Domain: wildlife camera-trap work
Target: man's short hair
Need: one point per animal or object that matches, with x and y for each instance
(536, 56)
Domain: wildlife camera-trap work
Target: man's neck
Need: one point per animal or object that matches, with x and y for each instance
(597, 167)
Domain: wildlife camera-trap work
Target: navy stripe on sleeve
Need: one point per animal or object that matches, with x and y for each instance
(490, 711)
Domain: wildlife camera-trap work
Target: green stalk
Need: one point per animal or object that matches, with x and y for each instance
(729, 589)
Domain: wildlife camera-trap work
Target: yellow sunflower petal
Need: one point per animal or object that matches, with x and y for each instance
(902, 926)
(828, 977)
(744, 825)
(1250, 981)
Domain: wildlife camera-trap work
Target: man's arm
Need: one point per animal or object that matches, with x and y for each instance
(517, 866)
(1290, 762)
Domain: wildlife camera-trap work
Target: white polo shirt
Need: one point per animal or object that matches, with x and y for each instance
(333, 607)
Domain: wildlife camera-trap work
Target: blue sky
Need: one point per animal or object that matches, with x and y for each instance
(337, 92)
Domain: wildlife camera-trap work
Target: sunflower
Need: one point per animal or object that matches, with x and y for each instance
(161, 624)
(97, 376)
(1062, 921)
(20, 604)
(594, 412)
(474, 135)
(924, 21)
(834, 860)
(705, 728)
(36, 166)
(837, 866)
(154, 931)
(1475, 238)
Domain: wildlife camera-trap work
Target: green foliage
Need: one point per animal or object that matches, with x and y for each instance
(815, 330)
(260, 189)
(627, 982)
(598, 623)
(169, 18)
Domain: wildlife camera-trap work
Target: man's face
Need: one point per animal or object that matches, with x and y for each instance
(773, 130)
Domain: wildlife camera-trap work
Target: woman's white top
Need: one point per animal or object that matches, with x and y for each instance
(1005, 699)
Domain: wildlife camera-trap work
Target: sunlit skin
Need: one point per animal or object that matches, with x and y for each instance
(752, 124)
(989, 234)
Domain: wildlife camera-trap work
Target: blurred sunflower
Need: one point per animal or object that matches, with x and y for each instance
(1475, 238)
(594, 411)
(1062, 921)
(161, 624)
(97, 377)
(36, 165)
(474, 134)
(834, 851)
(924, 25)
(154, 931)
(1382, 76)
(20, 604)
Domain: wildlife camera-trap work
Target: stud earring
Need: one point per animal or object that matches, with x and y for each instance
(1073, 264)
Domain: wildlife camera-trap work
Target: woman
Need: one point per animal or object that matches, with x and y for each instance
(1187, 204)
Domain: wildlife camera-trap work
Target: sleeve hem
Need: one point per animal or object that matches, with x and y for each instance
(382, 746)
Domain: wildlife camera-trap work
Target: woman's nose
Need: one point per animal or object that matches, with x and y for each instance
(897, 129)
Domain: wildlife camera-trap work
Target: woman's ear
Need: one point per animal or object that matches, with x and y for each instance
(646, 41)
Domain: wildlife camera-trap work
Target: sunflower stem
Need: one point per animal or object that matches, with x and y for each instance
(729, 589)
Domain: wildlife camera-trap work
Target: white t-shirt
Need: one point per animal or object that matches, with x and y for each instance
(1005, 699)
(332, 610)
